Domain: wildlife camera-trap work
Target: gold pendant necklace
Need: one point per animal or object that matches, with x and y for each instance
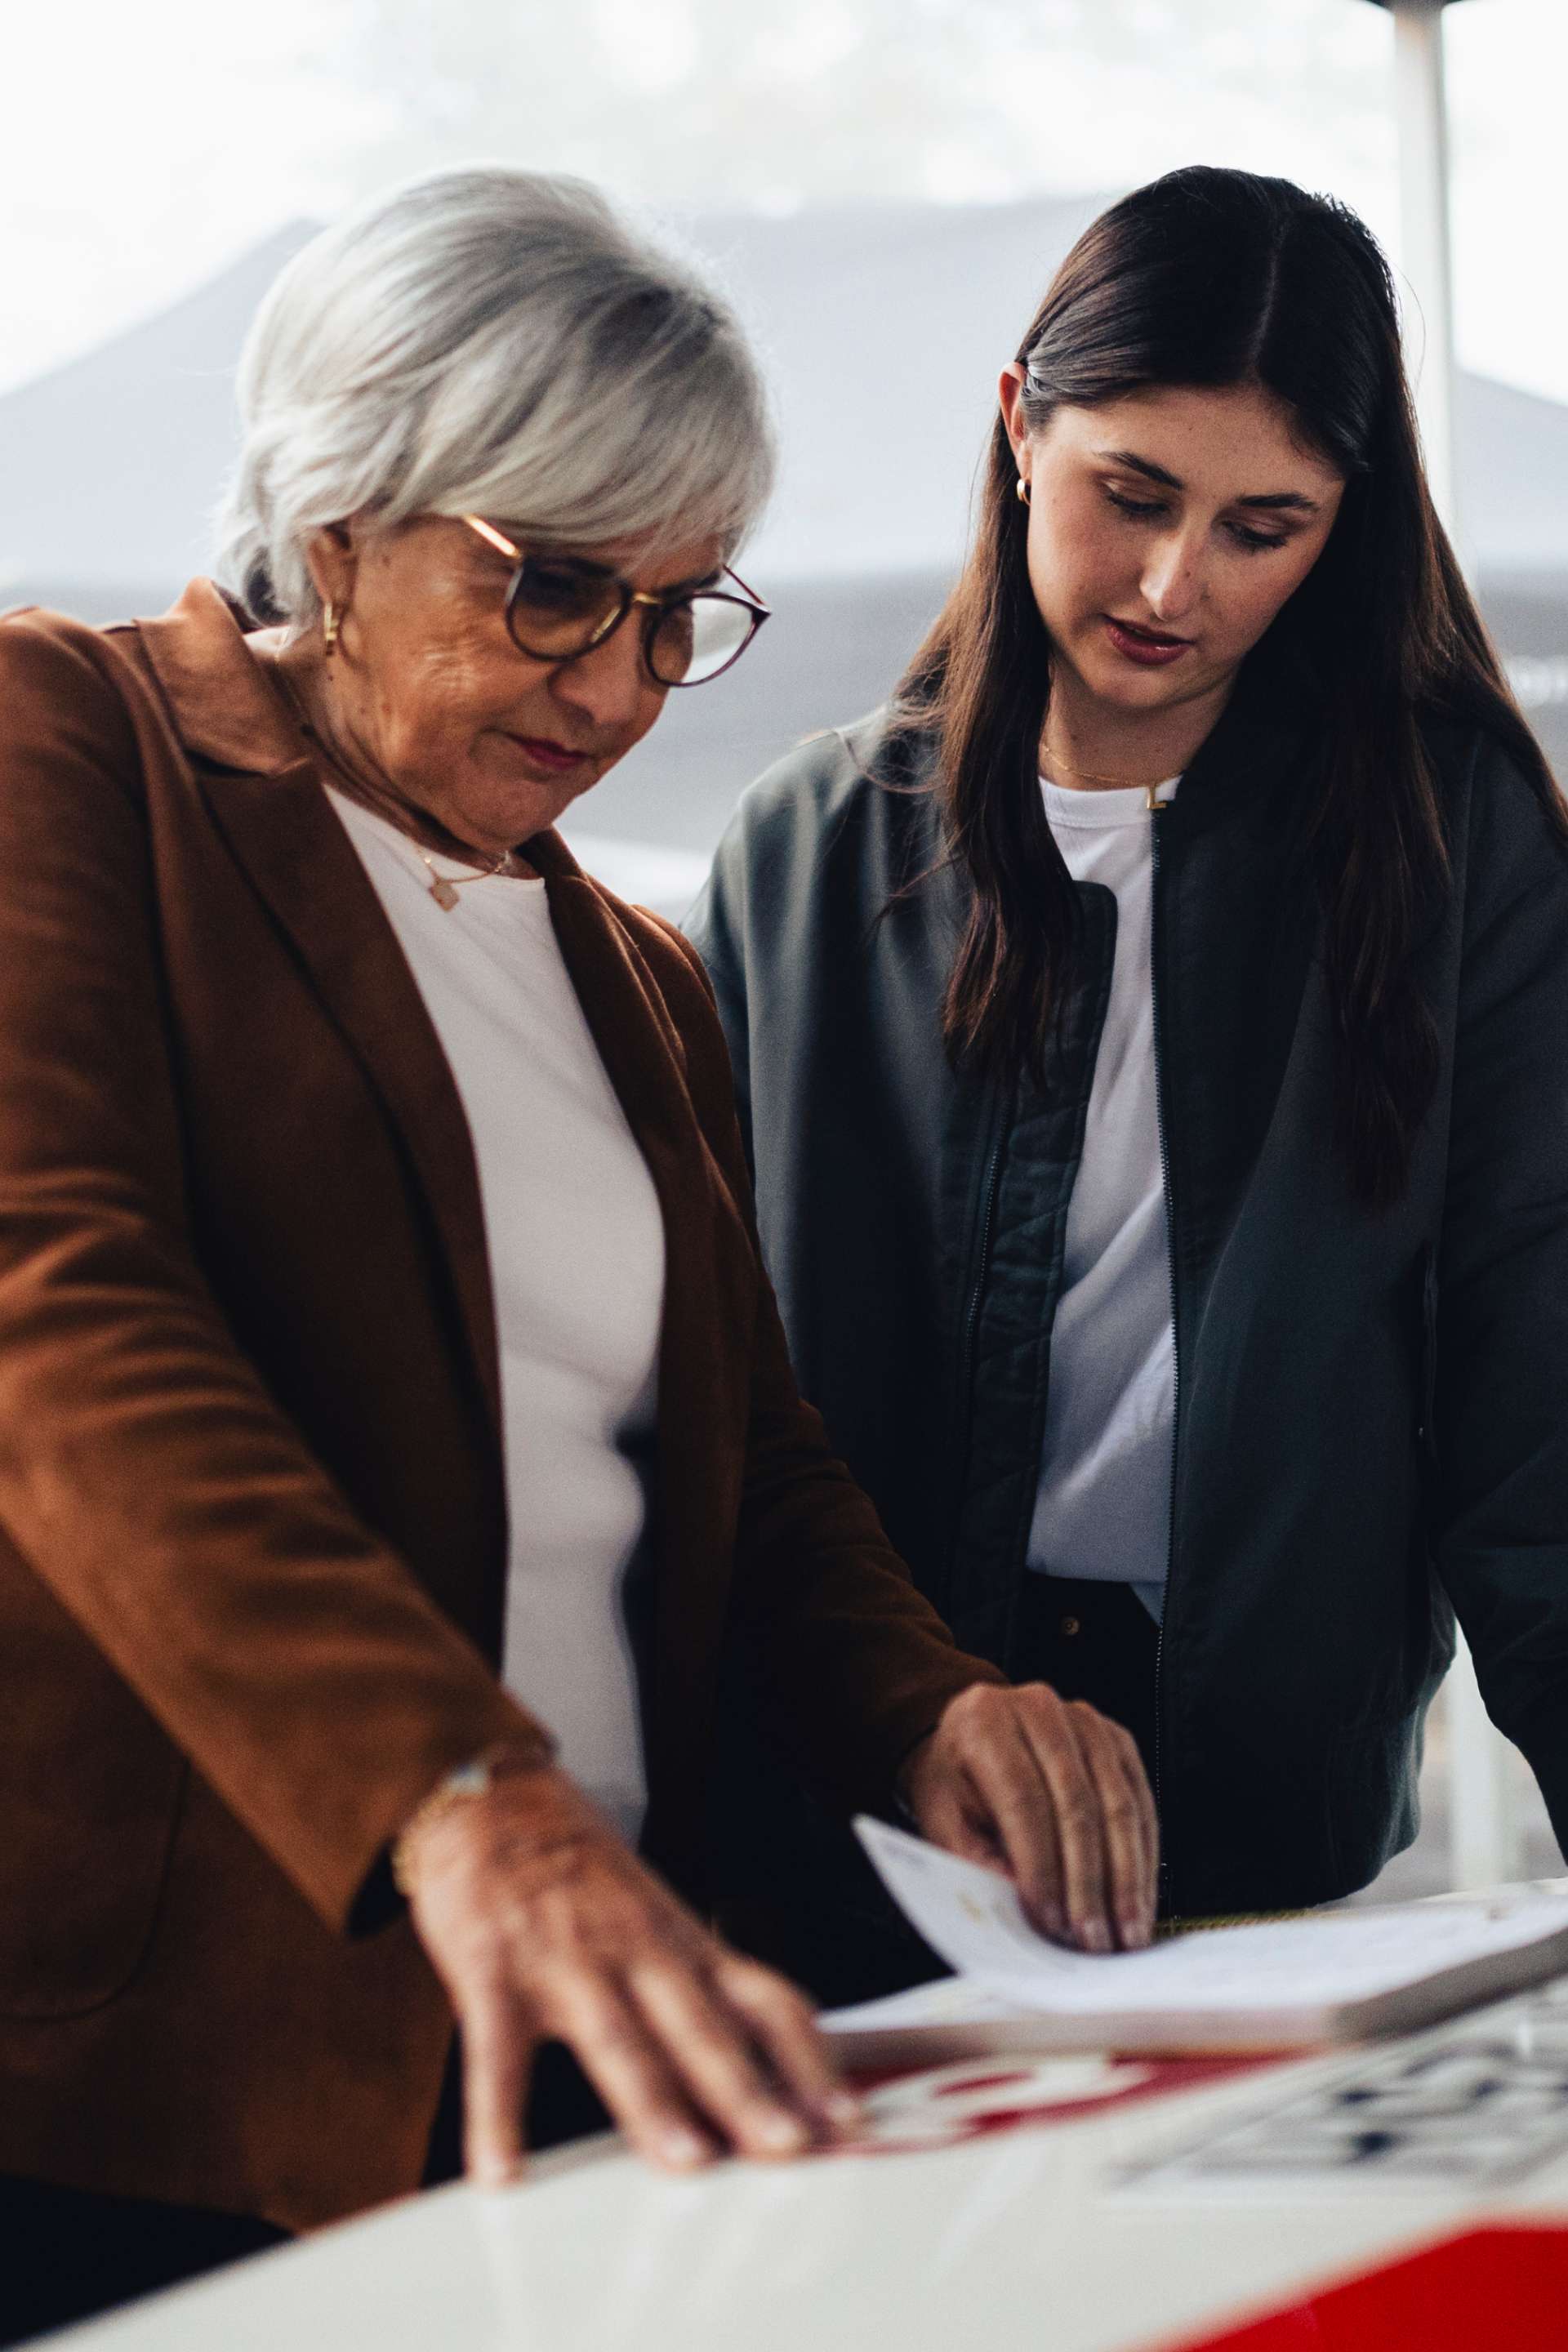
(444, 887)
(1150, 792)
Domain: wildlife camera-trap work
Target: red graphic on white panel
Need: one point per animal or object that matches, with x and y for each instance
(937, 2107)
(1496, 2289)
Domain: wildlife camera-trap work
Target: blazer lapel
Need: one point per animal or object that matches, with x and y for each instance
(282, 829)
(265, 793)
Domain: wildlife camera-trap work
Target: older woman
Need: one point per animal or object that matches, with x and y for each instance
(393, 1414)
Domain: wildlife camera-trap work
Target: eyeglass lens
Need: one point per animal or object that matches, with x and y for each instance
(556, 611)
(696, 639)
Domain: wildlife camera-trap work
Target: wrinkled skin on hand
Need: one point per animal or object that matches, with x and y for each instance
(1055, 1794)
(544, 1926)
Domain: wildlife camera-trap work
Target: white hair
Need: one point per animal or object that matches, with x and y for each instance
(489, 341)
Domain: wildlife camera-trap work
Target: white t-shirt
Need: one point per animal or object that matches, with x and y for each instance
(577, 1265)
(1103, 1510)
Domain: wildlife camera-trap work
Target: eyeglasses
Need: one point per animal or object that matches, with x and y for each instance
(558, 608)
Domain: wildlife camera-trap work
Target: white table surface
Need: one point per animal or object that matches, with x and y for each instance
(1023, 2239)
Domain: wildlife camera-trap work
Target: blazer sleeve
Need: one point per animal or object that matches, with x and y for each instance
(1502, 1310)
(856, 1665)
(146, 1475)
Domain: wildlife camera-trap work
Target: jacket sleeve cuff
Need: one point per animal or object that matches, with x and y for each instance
(351, 1887)
(384, 1895)
(871, 1785)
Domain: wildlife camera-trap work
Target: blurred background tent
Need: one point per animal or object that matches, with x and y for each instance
(110, 468)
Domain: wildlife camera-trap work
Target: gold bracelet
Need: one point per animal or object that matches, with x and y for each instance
(475, 1779)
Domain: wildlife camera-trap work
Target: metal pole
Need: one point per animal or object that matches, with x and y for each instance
(1483, 1829)
(1422, 104)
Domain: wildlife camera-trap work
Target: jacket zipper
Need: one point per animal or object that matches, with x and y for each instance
(966, 1346)
(971, 1319)
(1156, 809)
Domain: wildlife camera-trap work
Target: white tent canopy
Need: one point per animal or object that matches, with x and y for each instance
(883, 332)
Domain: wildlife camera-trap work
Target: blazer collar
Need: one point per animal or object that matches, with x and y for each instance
(225, 707)
(263, 783)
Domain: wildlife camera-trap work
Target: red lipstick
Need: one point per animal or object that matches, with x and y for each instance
(558, 758)
(1150, 648)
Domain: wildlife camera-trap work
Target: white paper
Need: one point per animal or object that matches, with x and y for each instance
(975, 1919)
(944, 2001)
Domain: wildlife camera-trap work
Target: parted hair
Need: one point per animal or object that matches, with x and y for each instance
(495, 341)
(1222, 277)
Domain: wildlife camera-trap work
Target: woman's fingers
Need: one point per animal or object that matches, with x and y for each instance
(713, 2049)
(1059, 1793)
(1010, 1780)
(498, 2059)
(974, 1787)
(1148, 1820)
(542, 1923)
(1019, 1757)
(783, 2025)
(632, 2074)
(952, 1817)
(1045, 1727)
(1148, 1812)
(1116, 1771)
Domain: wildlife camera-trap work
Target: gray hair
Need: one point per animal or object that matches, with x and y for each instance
(489, 341)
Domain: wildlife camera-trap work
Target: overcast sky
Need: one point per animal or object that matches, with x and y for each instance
(142, 147)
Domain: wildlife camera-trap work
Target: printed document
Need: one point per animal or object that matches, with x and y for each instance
(1321, 1963)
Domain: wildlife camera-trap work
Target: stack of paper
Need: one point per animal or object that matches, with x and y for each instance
(1332, 1976)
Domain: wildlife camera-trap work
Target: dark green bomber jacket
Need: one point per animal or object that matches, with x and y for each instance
(1372, 1424)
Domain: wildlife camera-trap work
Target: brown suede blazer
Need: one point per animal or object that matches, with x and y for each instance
(252, 1515)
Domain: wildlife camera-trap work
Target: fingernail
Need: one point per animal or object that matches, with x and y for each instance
(1134, 1934)
(498, 2171)
(843, 2107)
(1096, 1935)
(684, 2148)
(1057, 1922)
(782, 2133)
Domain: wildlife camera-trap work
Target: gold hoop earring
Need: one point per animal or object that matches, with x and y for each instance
(330, 623)
(1022, 489)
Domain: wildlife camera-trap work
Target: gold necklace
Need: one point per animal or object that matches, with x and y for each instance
(1151, 801)
(444, 887)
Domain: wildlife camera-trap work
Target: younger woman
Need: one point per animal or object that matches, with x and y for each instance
(1151, 1034)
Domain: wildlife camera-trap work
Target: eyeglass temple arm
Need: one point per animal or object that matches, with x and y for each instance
(760, 602)
(498, 539)
(504, 546)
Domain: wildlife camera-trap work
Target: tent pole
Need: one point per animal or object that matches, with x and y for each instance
(1483, 1830)
(1422, 106)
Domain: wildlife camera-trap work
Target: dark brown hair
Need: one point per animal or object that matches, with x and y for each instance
(1221, 277)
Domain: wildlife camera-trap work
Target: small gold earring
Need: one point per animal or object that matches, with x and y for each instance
(1022, 489)
(331, 624)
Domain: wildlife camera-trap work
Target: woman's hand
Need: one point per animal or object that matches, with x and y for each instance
(543, 1925)
(1056, 1793)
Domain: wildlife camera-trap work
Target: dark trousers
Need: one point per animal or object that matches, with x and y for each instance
(66, 2254)
(1093, 1642)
